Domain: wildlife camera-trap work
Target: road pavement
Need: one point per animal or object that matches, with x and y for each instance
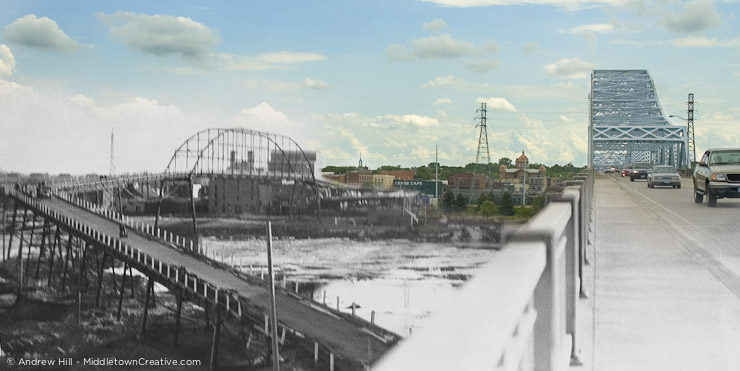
(666, 289)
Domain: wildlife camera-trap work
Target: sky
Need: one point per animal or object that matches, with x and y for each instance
(385, 80)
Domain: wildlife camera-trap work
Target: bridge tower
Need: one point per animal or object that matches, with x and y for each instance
(627, 123)
(482, 147)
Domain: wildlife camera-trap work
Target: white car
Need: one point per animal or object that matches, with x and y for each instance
(663, 175)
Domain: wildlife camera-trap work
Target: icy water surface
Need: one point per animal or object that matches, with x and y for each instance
(403, 282)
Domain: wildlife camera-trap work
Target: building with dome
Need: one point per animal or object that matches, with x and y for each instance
(512, 180)
(516, 174)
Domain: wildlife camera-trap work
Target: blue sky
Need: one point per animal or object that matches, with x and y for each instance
(387, 80)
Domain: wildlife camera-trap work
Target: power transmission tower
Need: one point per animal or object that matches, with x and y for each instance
(690, 129)
(482, 146)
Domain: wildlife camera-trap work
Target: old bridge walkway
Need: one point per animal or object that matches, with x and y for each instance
(177, 263)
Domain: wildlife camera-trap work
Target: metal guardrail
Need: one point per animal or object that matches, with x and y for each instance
(519, 311)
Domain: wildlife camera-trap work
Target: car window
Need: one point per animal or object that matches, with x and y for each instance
(664, 170)
(642, 166)
(724, 157)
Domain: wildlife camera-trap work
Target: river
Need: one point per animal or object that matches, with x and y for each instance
(401, 281)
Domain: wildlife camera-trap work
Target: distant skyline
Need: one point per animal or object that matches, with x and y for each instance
(386, 79)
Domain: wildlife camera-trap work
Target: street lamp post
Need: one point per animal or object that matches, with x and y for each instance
(690, 140)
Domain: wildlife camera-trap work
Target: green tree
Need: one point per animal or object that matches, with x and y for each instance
(339, 169)
(524, 212)
(424, 173)
(448, 201)
(389, 167)
(507, 205)
(504, 161)
(461, 202)
(538, 203)
(488, 208)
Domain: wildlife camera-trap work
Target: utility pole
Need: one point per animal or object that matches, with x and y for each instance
(112, 163)
(524, 187)
(436, 174)
(482, 146)
(690, 129)
(273, 308)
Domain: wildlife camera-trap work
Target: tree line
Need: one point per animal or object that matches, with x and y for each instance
(426, 172)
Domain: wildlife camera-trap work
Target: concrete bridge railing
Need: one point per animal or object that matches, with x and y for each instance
(519, 311)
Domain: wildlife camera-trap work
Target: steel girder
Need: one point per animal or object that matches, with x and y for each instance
(627, 123)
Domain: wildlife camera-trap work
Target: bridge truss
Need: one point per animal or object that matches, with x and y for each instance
(242, 152)
(627, 123)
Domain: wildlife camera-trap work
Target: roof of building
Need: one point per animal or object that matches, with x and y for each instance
(523, 157)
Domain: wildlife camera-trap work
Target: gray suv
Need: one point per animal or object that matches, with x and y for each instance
(717, 175)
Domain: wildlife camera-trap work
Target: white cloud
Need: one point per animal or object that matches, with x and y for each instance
(450, 81)
(482, 65)
(443, 46)
(442, 101)
(722, 117)
(271, 85)
(7, 61)
(413, 120)
(697, 15)
(636, 43)
(399, 53)
(435, 25)
(275, 85)
(83, 101)
(497, 103)
(705, 42)
(163, 35)
(74, 132)
(600, 28)
(42, 33)
(262, 115)
(490, 46)
(572, 68)
(315, 84)
(566, 119)
(530, 47)
(590, 31)
(282, 60)
(568, 4)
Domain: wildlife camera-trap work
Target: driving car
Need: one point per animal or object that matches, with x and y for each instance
(717, 175)
(639, 171)
(663, 175)
(626, 170)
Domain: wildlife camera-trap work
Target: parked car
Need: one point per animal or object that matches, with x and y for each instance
(626, 170)
(664, 175)
(717, 175)
(639, 171)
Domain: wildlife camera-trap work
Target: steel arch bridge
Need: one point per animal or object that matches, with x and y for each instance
(242, 152)
(627, 123)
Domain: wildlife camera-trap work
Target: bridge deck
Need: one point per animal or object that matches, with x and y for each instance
(667, 279)
(347, 339)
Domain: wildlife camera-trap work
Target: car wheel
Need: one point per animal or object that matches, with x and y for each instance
(711, 198)
(678, 186)
(632, 179)
(698, 197)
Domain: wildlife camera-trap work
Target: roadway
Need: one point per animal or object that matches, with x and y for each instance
(346, 339)
(666, 289)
